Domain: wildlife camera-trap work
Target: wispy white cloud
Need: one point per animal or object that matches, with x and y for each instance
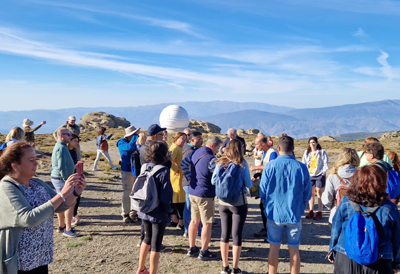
(360, 33)
(385, 71)
(163, 23)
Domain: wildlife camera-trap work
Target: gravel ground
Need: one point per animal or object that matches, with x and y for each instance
(108, 245)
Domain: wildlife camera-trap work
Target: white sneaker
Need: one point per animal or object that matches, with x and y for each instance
(96, 169)
(114, 167)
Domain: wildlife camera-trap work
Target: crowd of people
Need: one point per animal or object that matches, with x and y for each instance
(189, 177)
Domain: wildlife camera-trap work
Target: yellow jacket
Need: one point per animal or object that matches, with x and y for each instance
(176, 174)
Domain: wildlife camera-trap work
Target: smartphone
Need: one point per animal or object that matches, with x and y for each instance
(169, 153)
(79, 167)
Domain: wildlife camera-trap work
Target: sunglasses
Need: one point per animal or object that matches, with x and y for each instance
(68, 134)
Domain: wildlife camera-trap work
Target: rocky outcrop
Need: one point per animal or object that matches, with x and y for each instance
(95, 120)
(390, 135)
(204, 127)
(241, 131)
(252, 131)
(327, 138)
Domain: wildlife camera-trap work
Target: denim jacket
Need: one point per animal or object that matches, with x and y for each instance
(387, 214)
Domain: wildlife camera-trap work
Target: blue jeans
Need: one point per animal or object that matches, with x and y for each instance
(293, 233)
(187, 216)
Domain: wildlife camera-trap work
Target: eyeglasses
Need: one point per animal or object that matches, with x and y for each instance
(68, 134)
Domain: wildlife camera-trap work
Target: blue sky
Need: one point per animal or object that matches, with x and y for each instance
(308, 53)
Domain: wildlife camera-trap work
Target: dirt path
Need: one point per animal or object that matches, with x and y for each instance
(109, 246)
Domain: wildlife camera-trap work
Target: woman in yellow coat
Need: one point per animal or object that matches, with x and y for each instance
(178, 198)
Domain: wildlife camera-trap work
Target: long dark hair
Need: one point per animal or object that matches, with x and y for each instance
(101, 131)
(309, 147)
(10, 155)
(368, 186)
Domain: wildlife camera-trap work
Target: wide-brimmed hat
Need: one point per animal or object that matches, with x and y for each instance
(154, 129)
(129, 131)
(27, 122)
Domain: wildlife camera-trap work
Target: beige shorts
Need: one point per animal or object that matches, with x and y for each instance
(202, 208)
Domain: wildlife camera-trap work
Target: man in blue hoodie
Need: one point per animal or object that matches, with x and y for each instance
(126, 146)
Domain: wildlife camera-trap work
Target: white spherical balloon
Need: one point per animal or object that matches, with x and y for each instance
(175, 118)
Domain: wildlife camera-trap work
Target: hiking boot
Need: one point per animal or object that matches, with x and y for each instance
(206, 255)
(237, 271)
(144, 271)
(226, 270)
(310, 214)
(318, 216)
(70, 233)
(261, 234)
(193, 251)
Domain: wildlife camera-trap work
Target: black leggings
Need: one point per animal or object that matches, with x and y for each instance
(154, 233)
(178, 210)
(263, 217)
(44, 269)
(78, 200)
(232, 221)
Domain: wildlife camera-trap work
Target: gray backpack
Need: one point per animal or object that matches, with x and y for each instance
(144, 195)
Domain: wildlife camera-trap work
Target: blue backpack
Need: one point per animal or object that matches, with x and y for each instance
(361, 236)
(393, 184)
(228, 183)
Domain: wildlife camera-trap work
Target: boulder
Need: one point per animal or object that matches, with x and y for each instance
(241, 131)
(250, 146)
(252, 131)
(390, 135)
(204, 127)
(327, 138)
(95, 120)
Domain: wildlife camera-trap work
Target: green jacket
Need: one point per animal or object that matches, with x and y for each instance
(15, 214)
(62, 165)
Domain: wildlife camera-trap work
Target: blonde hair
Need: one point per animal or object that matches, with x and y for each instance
(16, 133)
(233, 153)
(348, 156)
(141, 139)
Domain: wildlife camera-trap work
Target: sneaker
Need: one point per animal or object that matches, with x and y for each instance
(173, 224)
(70, 233)
(127, 220)
(133, 216)
(139, 243)
(114, 167)
(261, 234)
(76, 221)
(181, 227)
(193, 251)
(61, 229)
(237, 271)
(185, 235)
(96, 169)
(206, 255)
(226, 270)
(144, 271)
(318, 216)
(310, 214)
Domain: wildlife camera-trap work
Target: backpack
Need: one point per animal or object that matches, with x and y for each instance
(228, 183)
(342, 189)
(393, 184)
(361, 236)
(103, 144)
(144, 195)
(135, 163)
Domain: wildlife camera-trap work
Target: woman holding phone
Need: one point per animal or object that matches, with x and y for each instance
(27, 209)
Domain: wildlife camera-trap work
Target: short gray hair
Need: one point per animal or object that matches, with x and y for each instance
(213, 140)
(61, 129)
(231, 131)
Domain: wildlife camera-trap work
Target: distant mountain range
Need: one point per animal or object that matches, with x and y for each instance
(371, 117)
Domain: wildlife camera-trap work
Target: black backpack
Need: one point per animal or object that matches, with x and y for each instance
(135, 163)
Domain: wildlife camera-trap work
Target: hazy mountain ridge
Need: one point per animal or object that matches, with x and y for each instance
(378, 116)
